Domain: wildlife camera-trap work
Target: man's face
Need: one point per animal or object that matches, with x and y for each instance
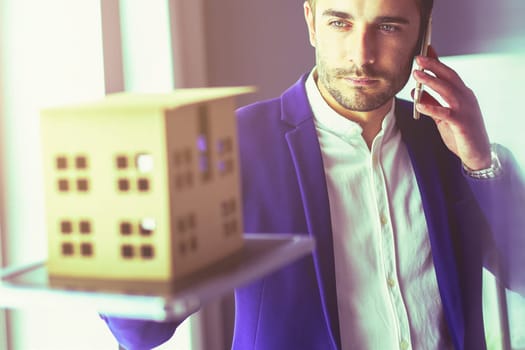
(364, 49)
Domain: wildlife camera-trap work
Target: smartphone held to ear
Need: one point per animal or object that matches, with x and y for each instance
(425, 43)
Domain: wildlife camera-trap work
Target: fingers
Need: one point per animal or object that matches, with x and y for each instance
(442, 79)
(432, 64)
(449, 92)
(426, 98)
(459, 119)
(431, 107)
(458, 99)
(432, 52)
(436, 112)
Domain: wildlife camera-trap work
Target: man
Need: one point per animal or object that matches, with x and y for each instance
(405, 212)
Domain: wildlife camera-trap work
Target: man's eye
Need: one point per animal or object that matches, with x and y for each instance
(387, 28)
(338, 24)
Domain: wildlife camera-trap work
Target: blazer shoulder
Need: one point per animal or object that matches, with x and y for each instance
(291, 107)
(260, 108)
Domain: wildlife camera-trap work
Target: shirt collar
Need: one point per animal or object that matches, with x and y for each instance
(327, 118)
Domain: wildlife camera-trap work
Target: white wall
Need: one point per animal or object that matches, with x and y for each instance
(478, 26)
(261, 43)
(51, 54)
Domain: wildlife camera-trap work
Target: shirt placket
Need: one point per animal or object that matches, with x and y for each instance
(387, 248)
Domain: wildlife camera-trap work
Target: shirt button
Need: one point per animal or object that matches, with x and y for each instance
(382, 219)
(391, 282)
(403, 345)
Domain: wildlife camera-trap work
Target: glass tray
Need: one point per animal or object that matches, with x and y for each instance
(31, 287)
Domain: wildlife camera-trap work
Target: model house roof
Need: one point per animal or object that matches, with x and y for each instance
(153, 101)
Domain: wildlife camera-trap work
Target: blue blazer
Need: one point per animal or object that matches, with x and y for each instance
(284, 191)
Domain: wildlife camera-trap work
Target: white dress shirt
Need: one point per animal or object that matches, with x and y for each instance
(387, 291)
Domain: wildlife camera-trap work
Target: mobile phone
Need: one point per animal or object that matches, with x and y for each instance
(423, 51)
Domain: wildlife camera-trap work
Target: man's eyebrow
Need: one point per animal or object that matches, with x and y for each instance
(380, 19)
(335, 13)
(392, 19)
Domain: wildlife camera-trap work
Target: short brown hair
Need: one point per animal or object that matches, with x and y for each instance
(425, 9)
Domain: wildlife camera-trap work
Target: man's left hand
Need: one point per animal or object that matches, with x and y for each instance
(459, 122)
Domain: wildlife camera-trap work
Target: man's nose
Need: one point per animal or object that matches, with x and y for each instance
(362, 47)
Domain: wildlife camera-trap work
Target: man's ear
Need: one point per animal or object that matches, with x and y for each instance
(309, 17)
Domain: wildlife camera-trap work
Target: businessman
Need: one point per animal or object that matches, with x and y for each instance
(405, 212)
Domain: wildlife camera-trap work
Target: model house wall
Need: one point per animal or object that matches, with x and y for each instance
(142, 187)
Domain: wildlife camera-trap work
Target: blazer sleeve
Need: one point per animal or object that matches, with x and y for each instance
(139, 334)
(502, 201)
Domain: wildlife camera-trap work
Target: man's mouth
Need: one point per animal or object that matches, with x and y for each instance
(361, 81)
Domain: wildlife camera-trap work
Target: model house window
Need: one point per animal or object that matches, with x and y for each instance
(127, 251)
(70, 229)
(82, 185)
(66, 227)
(146, 251)
(131, 174)
(81, 162)
(224, 149)
(123, 185)
(77, 179)
(86, 249)
(147, 226)
(203, 142)
(129, 230)
(144, 163)
(121, 162)
(67, 249)
(63, 185)
(228, 210)
(186, 232)
(85, 227)
(183, 168)
(125, 228)
(61, 162)
(143, 184)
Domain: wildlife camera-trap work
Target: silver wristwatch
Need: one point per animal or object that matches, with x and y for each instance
(491, 172)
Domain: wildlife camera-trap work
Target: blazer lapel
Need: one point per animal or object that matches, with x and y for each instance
(425, 156)
(306, 154)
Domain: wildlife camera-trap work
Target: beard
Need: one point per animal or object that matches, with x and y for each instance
(362, 99)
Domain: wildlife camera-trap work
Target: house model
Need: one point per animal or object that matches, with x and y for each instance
(142, 187)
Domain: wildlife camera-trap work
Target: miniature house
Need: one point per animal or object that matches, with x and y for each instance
(142, 186)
